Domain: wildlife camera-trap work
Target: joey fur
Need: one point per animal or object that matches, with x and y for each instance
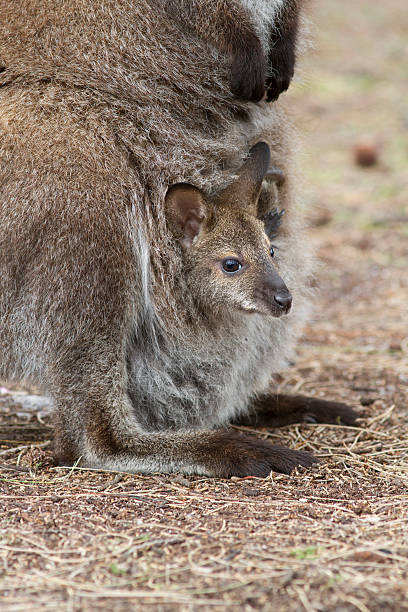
(105, 108)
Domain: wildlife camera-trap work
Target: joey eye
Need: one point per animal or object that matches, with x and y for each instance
(231, 265)
(272, 251)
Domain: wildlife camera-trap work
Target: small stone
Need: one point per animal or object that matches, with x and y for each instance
(365, 154)
(395, 346)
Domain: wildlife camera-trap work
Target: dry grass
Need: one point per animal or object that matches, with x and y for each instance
(331, 538)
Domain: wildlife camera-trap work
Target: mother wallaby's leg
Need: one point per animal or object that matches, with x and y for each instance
(277, 410)
(97, 423)
(107, 436)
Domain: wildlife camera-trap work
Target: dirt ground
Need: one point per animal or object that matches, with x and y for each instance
(331, 538)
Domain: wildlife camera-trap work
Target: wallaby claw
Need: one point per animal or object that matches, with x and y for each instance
(281, 60)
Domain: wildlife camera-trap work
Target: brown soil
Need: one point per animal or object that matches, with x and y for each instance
(331, 538)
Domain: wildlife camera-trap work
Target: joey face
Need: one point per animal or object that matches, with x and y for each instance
(231, 266)
(229, 260)
(227, 251)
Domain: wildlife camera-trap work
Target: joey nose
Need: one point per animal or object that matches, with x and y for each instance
(274, 294)
(284, 300)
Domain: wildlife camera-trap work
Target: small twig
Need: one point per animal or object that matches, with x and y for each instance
(11, 451)
(13, 468)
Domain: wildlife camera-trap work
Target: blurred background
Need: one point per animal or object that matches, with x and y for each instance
(351, 107)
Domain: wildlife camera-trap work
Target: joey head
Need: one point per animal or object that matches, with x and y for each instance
(227, 248)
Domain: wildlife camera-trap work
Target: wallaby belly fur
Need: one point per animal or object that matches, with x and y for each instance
(103, 105)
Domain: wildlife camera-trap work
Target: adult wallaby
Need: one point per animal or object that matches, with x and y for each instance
(115, 291)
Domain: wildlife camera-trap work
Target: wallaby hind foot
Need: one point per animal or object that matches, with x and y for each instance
(278, 410)
(221, 454)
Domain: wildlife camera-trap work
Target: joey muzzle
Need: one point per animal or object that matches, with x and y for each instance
(274, 294)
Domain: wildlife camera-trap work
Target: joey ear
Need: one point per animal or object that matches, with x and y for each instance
(272, 220)
(270, 191)
(186, 211)
(244, 190)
